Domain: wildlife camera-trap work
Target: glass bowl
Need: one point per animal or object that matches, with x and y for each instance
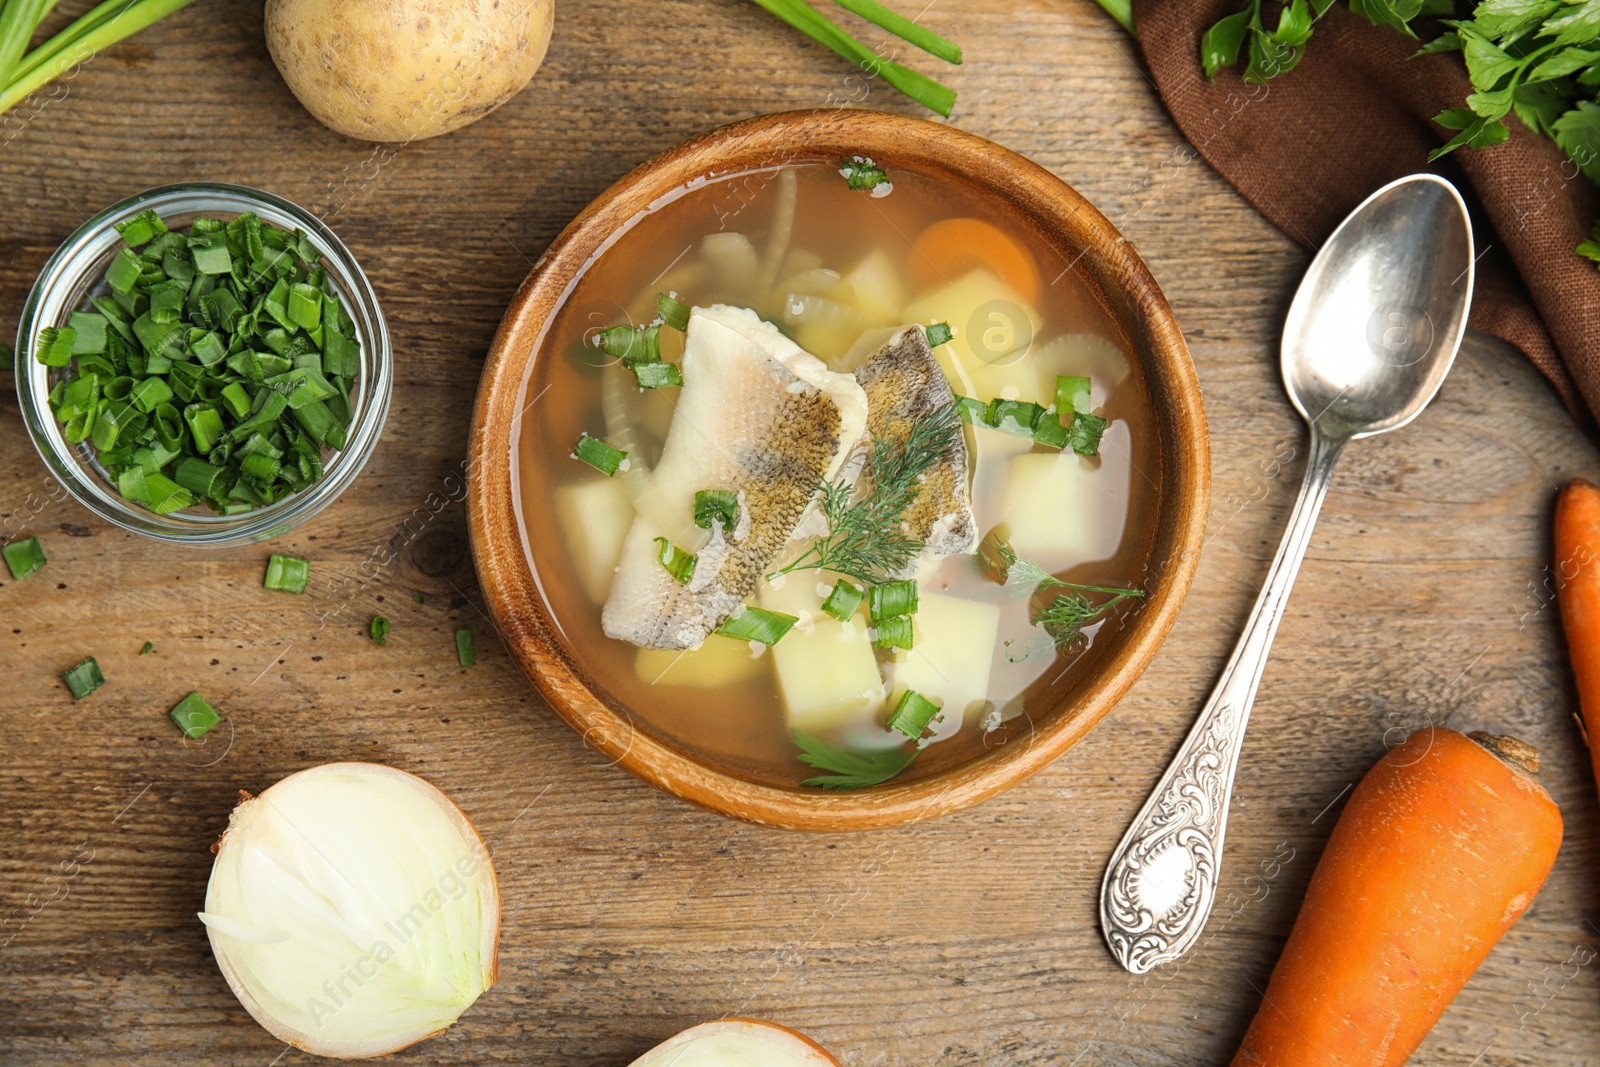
(76, 271)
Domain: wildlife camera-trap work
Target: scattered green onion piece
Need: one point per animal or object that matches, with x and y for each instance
(758, 624)
(656, 375)
(861, 172)
(379, 629)
(889, 599)
(1015, 417)
(194, 716)
(679, 564)
(631, 344)
(466, 649)
(599, 455)
(894, 633)
(843, 600)
(939, 333)
(8, 356)
(143, 228)
(149, 647)
(54, 346)
(712, 505)
(913, 715)
(1072, 396)
(674, 313)
(1049, 432)
(972, 411)
(1085, 432)
(419, 598)
(84, 679)
(286, 574)
(24, 557)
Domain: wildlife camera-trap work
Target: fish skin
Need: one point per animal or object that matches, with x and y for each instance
(904, 383)
(761, 416)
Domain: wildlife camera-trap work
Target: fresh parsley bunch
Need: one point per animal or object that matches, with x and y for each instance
(1537, 59)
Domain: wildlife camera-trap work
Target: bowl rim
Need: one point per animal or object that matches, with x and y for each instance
(1065, 218)
(75, 258)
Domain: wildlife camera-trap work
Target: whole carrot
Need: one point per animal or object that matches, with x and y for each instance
(1441, 848)
(1577, 569)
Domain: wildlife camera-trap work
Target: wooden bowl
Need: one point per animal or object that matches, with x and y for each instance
(1066, 220)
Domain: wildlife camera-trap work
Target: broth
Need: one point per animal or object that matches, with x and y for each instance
(724, 703)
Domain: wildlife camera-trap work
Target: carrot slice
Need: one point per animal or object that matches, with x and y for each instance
(1577, 567)
(1441, 848)
(948, 249)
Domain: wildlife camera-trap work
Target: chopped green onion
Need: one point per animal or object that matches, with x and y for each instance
(889, 599)
(631, 344)
(305, 306)
(939, 333)
(843, 600)
(599, 455)
(149, 647)
(895, 632)
(913, 715)
(466, 650)
(674, 313)
(143, 228)
(124, 271)
(84, 679)
(1072, 396)
(286, 574)
(758, 624)
(54, 346)
(972, 411)
(90, 333)
(1015, 417)
(379, 629)
(1085, 432)
(150, 393)
(679, 564)
(862, 173)
(166, 495)
(419, 598)
(24, 557)
(713, 505)
(1049, 432)
(194, 716)
(213, 258)
(656, 375)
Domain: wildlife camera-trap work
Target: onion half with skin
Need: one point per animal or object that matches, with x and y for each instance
(353, 910)
(737, 1043)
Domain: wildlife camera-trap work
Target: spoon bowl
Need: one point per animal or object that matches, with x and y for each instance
(1375, 325)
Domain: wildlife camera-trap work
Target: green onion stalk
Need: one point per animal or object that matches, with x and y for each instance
(23, 73)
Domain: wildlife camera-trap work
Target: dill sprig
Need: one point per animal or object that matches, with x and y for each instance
(867, 538)
(848, 768)
(1065, 616)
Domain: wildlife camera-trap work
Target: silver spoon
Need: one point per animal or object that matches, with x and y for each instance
(1369, 339)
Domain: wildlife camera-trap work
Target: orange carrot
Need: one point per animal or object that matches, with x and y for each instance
(1441, 848)
(1578, 588)
(948, 249)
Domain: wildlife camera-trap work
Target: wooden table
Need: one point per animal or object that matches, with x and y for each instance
(970, 940)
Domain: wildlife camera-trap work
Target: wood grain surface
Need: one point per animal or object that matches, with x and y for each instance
(968, 940)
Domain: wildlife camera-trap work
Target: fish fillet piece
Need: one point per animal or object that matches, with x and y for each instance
(904, 383)
(760, 416)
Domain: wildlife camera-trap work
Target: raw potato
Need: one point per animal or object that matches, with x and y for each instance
(404, 70)
(737, 1043)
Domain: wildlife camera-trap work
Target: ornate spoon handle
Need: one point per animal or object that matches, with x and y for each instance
(1162, 880)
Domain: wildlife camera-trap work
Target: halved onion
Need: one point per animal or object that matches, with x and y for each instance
(353, 910)
(738, 1043)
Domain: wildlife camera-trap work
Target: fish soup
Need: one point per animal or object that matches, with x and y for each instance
(849, 474)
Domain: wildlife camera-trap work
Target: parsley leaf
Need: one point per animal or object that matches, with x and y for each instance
(849, 769)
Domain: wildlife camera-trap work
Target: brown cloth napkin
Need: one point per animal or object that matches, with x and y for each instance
(1311, 144)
